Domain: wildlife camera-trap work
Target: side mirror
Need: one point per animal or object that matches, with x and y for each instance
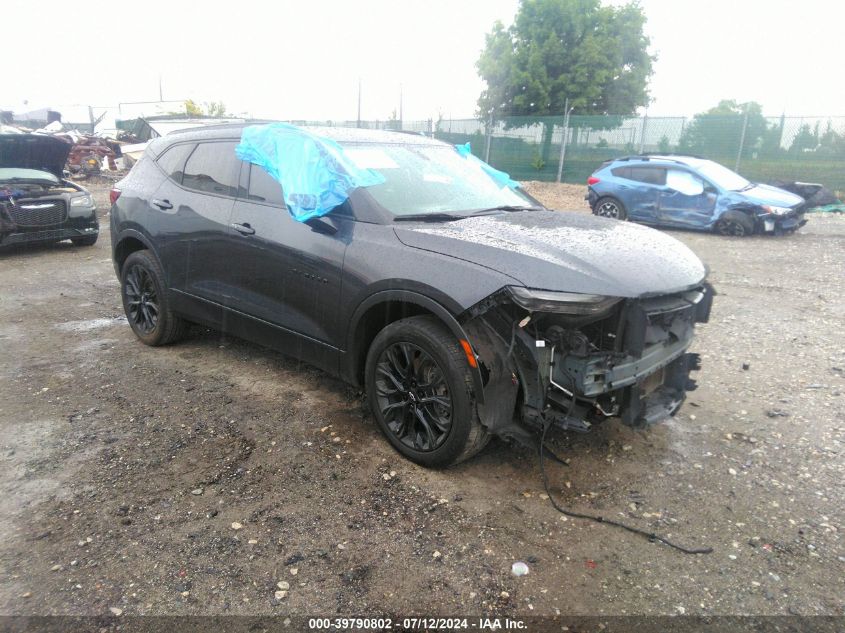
(322, 225)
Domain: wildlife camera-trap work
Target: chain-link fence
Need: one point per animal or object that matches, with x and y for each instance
(763, 149)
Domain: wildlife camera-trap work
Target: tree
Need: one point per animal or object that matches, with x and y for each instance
(805, 139)
(831, 142)
(718, 131)
(595, 56)
(213, 108)
(192, 109)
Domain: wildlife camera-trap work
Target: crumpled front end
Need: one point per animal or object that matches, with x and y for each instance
(784, 221)
(575, 365)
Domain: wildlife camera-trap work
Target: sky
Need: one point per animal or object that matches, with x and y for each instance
(298, 59)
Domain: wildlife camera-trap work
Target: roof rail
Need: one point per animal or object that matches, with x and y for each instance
(413, 132)
(223, 126)
(655, 156)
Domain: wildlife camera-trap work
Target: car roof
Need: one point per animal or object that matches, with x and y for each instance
(339, 134)
(662, 159)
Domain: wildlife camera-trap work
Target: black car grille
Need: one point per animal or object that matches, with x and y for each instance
(38, 213)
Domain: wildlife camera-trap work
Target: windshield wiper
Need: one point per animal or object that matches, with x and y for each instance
(506, 207)
(449, 217)
(429, 217)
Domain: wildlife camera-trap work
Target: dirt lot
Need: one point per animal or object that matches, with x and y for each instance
(193, 479)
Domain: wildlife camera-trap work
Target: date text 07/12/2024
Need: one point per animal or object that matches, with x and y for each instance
(416, 624)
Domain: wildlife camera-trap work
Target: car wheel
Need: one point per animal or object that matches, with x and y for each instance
(735, 224)
(145, 302)
(88, 240)
(610, 208)
(420, 391)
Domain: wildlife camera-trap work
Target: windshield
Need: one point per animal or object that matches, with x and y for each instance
(722, 176)
(8, 174)
(428, 179)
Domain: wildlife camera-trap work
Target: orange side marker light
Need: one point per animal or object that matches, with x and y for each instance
(469, 353)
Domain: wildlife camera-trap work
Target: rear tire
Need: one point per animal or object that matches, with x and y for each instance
(609, 207)
(419, 388)
(146, 303)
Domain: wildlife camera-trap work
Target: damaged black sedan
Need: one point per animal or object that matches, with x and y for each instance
(37, 205)
(464, 307)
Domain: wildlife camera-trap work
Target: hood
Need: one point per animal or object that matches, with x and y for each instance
(766, 194)
(34, 151)
(566, 251)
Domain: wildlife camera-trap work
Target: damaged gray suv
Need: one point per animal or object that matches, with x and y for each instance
(462, 306)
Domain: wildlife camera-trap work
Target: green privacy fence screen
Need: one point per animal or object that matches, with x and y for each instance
(763, 149)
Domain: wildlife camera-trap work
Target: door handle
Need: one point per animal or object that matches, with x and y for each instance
(243, 229)
(162, 204)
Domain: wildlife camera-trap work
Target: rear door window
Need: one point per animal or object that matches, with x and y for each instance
(647, 174)
(172, 161)
(263, 188)
(213, 168)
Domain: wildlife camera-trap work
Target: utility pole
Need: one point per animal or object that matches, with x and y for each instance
(642, 132)
(400, 107)
(160, 93)
(742, 138)
(359, 102)
(489, 135)
(567, 111)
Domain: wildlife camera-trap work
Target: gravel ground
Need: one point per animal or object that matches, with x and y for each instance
(559, 196)
(194, 479)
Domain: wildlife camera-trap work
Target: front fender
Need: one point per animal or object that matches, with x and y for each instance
(416, 298)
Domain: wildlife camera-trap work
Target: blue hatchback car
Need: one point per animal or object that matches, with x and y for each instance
(689, 192)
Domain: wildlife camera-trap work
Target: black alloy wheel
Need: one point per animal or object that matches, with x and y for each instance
(145, 303)
(413, 397)
(734, 227)
(420, 390)
(141, 299)
(610, 208)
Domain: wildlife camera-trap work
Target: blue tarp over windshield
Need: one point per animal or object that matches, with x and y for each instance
(500, 177)
(314, 173)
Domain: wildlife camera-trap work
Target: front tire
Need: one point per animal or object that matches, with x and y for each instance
(735, 224)
(419, 388)
(608, 207)
(145, 301)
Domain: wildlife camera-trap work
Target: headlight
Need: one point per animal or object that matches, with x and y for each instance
(777, 210)
(561, 302)
(81, 201)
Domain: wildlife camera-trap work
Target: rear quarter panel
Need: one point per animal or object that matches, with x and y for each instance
(132, 215)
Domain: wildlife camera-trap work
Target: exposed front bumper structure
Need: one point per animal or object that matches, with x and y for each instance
(631, 362)
(792, 221)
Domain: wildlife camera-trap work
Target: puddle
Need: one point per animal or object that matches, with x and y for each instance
(98, 345)
(90, 324)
